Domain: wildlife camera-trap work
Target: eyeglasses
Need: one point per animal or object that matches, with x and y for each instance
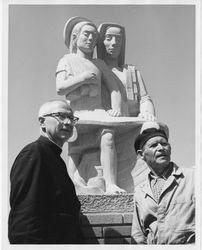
(61, 117)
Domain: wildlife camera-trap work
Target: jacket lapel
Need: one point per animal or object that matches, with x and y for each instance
(172, 180)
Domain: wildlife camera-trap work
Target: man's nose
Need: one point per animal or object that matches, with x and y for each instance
(159, 146)
(67, 121)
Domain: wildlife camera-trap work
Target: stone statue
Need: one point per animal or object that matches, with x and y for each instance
(107, 110)
(79, 77)
(111, 48)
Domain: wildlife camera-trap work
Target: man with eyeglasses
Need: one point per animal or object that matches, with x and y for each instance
(44, 205)
(164, 204)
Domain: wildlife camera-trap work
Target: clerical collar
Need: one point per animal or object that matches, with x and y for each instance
(54, 143)
(51, 144)
(45, 135)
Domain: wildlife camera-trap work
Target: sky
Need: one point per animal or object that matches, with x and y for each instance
(160, 42)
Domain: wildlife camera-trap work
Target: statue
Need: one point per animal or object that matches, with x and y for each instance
(111, 49)
(79, 78)
(107, 110)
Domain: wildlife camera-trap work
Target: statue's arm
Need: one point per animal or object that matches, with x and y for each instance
(66, 81)
(112, 86)
(146, 103)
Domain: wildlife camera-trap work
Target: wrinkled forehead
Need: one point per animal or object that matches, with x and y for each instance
(156, 139)
(53, 107)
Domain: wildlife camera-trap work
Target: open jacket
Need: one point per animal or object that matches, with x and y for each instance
(172, 219)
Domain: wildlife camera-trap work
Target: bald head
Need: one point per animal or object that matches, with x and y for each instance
(56, 121)
(51, 106)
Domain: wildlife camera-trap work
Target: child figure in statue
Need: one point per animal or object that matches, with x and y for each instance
(111, 49)
(79, 78)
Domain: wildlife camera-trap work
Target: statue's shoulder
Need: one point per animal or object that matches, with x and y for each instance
(70, 59)
(68, 56)
(63, 58)
(131, 71)
(129, 67)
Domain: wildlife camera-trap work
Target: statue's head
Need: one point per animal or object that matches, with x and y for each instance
(73, 29)
(111, 42)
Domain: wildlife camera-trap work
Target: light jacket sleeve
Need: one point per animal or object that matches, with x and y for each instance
(137, 233)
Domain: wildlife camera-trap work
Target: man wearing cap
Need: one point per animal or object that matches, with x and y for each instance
(164, 204)
(44, 205)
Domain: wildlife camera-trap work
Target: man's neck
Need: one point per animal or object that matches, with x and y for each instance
(59, 144)
(160, 171)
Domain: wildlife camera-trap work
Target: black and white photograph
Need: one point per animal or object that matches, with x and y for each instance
(101, 124)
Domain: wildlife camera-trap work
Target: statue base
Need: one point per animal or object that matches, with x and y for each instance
(120, 203)
(106, 219)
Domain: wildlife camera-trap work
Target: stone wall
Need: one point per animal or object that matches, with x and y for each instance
(106, 219)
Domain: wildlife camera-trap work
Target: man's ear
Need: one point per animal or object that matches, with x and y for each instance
(140, 153)
(41, 119)
(42, 124)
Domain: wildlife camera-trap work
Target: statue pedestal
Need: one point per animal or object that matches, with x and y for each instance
(106, 219)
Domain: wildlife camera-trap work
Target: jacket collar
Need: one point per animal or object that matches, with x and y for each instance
(174, 177)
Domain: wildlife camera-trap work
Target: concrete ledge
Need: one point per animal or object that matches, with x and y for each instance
(106, 219)
(120, 203)
(127, 218)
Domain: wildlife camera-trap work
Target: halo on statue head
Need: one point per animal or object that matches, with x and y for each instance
(102, 30)
(69, 27)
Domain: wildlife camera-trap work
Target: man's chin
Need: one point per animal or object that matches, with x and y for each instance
(163, 162)
(65, 136)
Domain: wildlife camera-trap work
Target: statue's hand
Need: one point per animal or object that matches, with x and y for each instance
(114, 113)
(89, 77)
(147, 116)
